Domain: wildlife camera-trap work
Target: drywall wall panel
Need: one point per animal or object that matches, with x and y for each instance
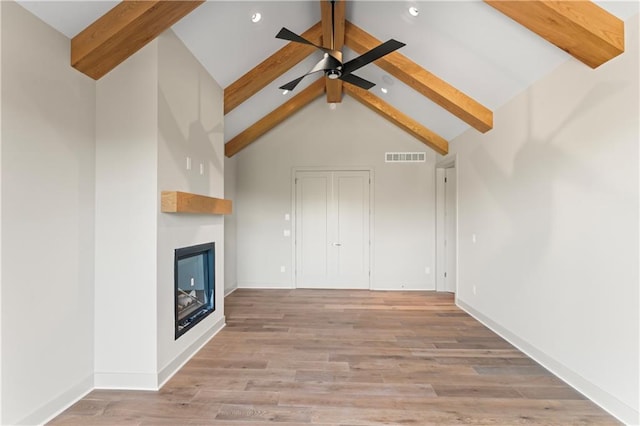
(548, 225)
(190, 116)
(230, 227)
(126, 223)
(47, 174)
(403, 214)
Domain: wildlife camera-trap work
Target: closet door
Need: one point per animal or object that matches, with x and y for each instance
(332, 229)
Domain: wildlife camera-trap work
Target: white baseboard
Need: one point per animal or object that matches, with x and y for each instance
(174, 366)
(402, 286)
(265, 286)
(604, 399)
(378, 286)
(230, 291)
(128, 381)
(52, 409)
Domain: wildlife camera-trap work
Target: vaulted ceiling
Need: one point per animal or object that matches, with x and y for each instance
(462, 59)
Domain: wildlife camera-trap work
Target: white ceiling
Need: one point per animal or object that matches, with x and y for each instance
(466, 43)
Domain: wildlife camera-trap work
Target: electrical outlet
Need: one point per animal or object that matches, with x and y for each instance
(201, 168)
(283, 269)
(474, 290)
(193, 282)
(427, 270)
(188, 163)
(287, 233)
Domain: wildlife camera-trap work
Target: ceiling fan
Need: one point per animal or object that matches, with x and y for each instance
(331, 62)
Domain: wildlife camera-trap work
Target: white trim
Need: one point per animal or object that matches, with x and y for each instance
(440, 225)
(1, 351)
(178, 362)
(231, 291)
(128, 381)
(52, 409)
(402, 286)
(448, 162)
(599, 396)
(264, 286)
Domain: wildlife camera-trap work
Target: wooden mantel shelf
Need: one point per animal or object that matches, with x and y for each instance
(186, 202)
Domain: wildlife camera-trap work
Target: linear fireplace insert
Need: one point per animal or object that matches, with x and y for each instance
(194, 277)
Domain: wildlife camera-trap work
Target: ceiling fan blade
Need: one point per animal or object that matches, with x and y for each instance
(292, 84)
(370, 56)
(285, 34)
(357, 81)
(328, 62)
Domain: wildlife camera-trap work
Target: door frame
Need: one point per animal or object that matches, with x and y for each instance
(448, 162)
(292, 225)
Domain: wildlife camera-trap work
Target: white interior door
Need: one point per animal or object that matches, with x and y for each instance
(332, 229)
(451, 230)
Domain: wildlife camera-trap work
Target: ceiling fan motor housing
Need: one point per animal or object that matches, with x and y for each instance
(334, 70)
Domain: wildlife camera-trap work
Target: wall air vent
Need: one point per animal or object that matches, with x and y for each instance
(405, 157)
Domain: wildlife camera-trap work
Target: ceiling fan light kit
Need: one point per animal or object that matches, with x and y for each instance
(331, 63)
(333, 74)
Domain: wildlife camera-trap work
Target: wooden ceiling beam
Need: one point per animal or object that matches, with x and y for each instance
(270, 69)
(374, 103)
(122, 31)
(333, 87)
(416, 77)
(274, 118)
(581, 28)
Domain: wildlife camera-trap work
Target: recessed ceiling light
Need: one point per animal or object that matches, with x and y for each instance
(284, 92)
(384, 90)
(413, 11)
(332, 106)
(256, 17)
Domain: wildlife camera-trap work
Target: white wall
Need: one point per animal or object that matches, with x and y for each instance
(79, 191)
(1, 213)
(47, 171)
(350, 136)
(230, 227)
(155, 110)
(551, 194)
(190, 116)
(126, 223)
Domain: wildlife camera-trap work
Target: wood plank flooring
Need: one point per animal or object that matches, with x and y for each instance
(330, 357)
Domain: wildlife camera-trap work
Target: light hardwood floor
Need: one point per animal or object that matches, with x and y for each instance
(329, 357)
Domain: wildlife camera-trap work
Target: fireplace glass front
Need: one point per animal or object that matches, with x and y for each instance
(194, 278)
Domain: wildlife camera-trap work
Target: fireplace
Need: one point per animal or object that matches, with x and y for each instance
(194, 277)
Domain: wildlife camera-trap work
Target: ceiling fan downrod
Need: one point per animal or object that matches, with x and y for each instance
(334, 74)
(333, 24)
